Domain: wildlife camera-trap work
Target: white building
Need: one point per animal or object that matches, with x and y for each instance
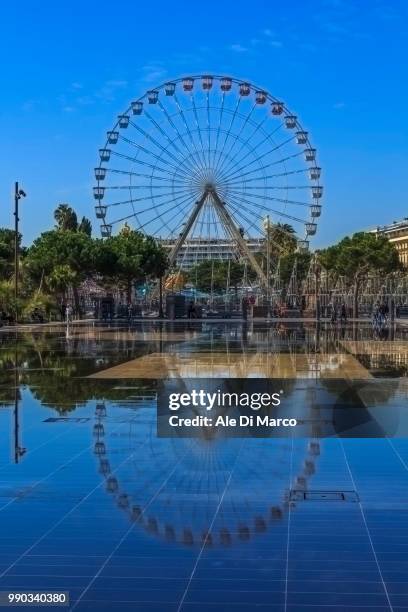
(397, 234)
(196, 250)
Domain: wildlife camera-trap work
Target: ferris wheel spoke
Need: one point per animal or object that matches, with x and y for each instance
(218, 128)
(206, 163)
(149, 153)
(228, 132)
(257, 128)
(190, 160)
(245, 145)
(177, 159)
(162, 131)
(270, 176)
(261, 168)
(132, 187)
(186, 201)
(138, 174)
(228, 153)
(143, 163)
(209, 128)
(224, 177)
(280, 213)
(245, 142)
(281, 187)
(262, 156)
(145, 210)
(271, 198)
(143, 199)
(195, 150)
(238, 213)
(250, 222)
(177, 218)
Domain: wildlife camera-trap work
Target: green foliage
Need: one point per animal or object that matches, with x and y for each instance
(7, 252)
(128, 258)
(214, 273)
(64, 257)
(85, 226)
(282, 240)
(67, 220)
(61, 256)
(356, 256)
(42, 302)
(61, 278)
(302, 266)
(7, 301)
(57, 374)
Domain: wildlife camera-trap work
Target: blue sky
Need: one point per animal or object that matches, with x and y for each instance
(69, 68)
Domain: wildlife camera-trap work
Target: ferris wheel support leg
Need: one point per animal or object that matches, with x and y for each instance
(242, 245)
(189, 224)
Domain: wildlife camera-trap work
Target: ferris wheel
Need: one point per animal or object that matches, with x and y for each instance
(203, 160)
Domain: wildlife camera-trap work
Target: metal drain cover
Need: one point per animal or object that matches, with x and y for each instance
(66, 420)
(301, 495)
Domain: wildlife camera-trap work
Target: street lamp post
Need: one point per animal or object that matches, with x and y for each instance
(268, 267)
(18, 194)
(317, 288)
(161, 297)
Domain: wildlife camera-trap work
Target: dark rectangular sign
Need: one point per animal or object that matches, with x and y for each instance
(267, 408)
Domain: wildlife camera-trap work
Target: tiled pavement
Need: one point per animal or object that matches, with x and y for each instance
(126, 521)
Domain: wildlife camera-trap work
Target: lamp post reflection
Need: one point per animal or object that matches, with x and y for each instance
(19, 451)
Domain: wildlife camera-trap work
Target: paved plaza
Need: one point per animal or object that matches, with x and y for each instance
(94, 503)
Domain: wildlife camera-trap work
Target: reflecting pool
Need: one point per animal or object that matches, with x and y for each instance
(92, 502)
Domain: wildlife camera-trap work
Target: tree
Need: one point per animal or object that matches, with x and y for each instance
(7, 252)
(61, 278)
(213, 274)
(282, 239)
(65, 217)
(128, 258)
(61, 259)
(85, 226)
(302, 267)
(359, 255)
(7, 299)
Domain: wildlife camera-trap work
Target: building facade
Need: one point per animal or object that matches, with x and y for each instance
(196, 250)
(397, 234)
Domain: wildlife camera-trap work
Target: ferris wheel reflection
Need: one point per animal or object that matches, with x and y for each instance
(199, 491)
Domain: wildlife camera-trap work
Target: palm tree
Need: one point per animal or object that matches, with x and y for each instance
(282, 239)
(66, 217)
(85, 226)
